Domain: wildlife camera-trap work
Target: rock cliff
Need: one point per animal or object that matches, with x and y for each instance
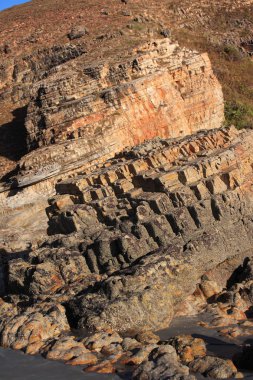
(128, 242)
(121, 190)
(80, 115)
(84, 115)
(62, 41)
(151, 214)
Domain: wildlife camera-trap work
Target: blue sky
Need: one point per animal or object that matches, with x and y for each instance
(9, 3)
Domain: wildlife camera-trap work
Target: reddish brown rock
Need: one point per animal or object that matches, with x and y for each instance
(173, 201)
(31, 329)
(102, 339)
(159, 94)
(106, 366)
(209, 288)
(84, 359)
(188, 348)
(214, 367)
(44, 50)
(111, 349)
(162, 363)
(133, 227)
(139, 355)
(66, 349)
(147, 337)
(129, 344)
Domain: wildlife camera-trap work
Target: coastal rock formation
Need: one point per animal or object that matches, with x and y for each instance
(60, 46)
(213, 367)
(162, 364)
(124, 196)
(229, 306)
(81, 115)
(188, 348)
(30, 329)
(169, 208)
(124, 236)
(162, 87)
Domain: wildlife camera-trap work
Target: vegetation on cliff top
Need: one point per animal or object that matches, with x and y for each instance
(234, 69)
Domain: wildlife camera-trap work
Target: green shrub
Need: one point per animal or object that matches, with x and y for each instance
(232, 53)
(238, 114)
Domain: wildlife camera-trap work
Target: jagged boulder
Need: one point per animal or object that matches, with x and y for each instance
(77, 32)
(30, 329)
(163, 364)
(214, 367)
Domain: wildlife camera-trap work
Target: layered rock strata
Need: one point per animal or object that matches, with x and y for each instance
(188, 211)
(131, 234)
(141, 230)
(162, 87)
(65, 41)
(82, 115)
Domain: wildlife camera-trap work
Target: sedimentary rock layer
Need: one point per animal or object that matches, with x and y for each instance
(39, 47)
(130, 240)
(162, 90)
(82, 115)
(173, 221)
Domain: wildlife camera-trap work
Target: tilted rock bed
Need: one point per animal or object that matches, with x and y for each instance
(128, 244)
(77, 111)
(38, 60)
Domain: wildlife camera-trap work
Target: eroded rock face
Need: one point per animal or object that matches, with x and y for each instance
(128, 243)
(230, 307)
(188, 348)
(167, 220)
(162, 364)
(179, 77)
(213, 367)
(84, 115)
(129, 231)
(151, 193)
(31, 329)
(60, 44)
(48, 272)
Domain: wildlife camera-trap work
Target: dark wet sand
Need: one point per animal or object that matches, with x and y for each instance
(15, 365)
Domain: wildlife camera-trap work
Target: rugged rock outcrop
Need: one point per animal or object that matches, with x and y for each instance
(81, 113)
(84, 115)
(129, 231)
(29, 330)
(162, 87)
(163, 216)
(149, 195)
(62, 41)
(162, 364)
